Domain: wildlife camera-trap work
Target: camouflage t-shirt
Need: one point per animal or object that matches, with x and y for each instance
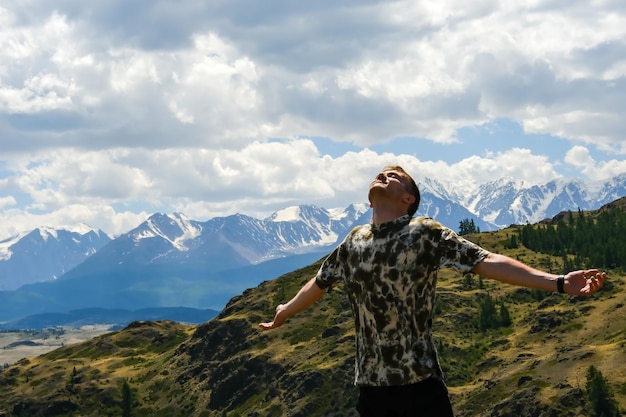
(390, 274)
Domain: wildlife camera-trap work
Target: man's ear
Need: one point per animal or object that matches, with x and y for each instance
(408, 198)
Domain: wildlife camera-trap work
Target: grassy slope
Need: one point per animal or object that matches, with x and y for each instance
(552, 344)
(228, 367)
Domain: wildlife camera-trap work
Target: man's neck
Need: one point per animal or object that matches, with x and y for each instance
(382, 215)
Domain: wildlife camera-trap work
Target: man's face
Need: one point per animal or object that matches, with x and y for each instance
(391, 183)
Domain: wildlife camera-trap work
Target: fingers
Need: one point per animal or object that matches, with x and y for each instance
(594, 280)
(590, 273)
(267, 326)
(596, 277)
(278, 320)
(270, 324)
(598, 280)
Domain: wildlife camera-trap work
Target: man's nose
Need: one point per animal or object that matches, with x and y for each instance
(381, 176)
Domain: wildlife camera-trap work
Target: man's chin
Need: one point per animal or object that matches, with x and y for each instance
(375, 189)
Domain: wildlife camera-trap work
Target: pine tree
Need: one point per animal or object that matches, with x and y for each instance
(487, 316)
(467, 226)
(513, 242)
(600, 395)
(588, 240)
(127, 400)
(505, 315)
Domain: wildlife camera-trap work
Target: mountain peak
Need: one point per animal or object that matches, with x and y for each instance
(175, 228)
(47, 232)
(52, 232)
(301, 213)
(289, 214)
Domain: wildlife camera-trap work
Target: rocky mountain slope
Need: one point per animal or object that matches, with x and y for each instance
(229, 367)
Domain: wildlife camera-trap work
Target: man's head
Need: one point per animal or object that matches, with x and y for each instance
(411, 186)
(396, 171)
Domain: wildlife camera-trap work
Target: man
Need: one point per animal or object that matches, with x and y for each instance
(389, 270)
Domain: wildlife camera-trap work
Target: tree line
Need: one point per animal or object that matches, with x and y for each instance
(583, 241)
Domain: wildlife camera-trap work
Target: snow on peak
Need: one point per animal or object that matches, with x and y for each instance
(289, 214)
(46, 232)
(189, 230)
(355, 210)
(79, 228)
(5, 253)
(5, 246)
(175, 228)
(337, 213)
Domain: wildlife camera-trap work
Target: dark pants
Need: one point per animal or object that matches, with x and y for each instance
(428, 398)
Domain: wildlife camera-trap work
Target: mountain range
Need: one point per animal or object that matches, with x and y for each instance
(536, 364)
(46, 253)
(171, 260)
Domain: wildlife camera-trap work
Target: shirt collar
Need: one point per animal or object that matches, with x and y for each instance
(391, 226)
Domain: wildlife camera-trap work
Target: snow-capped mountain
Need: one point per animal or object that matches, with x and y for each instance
(606, 191)
(171, 260)
(176, 229)
(235, 240)
(506, 201)
(238, 240)
(45, 253)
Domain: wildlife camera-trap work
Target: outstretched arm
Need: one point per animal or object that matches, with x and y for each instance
(508, 270)
(306, 297)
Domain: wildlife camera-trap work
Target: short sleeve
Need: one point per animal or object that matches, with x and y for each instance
(331, 271)
(458, 252)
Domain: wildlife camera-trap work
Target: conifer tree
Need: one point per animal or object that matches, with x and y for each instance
(505, 315)
(588, 240)
(513, 244)
(467, 226)
(600, 396)
(127, 400)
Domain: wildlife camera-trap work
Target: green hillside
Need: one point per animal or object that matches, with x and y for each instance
(227, 367)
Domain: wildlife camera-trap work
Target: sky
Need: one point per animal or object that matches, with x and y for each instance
(113, 110)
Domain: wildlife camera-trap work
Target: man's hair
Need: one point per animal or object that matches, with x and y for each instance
(411, 187)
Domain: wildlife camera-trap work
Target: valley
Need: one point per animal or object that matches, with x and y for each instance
(17, 345)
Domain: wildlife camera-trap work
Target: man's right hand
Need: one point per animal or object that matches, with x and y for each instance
(279, 318)
(306, 297)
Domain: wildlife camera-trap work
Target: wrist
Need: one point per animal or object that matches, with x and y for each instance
(560, 284)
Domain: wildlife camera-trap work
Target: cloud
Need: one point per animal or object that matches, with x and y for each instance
(7, 202)
(215, 75)
(580, 158)
(111, 110)
(106, 218)
(111, 189)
